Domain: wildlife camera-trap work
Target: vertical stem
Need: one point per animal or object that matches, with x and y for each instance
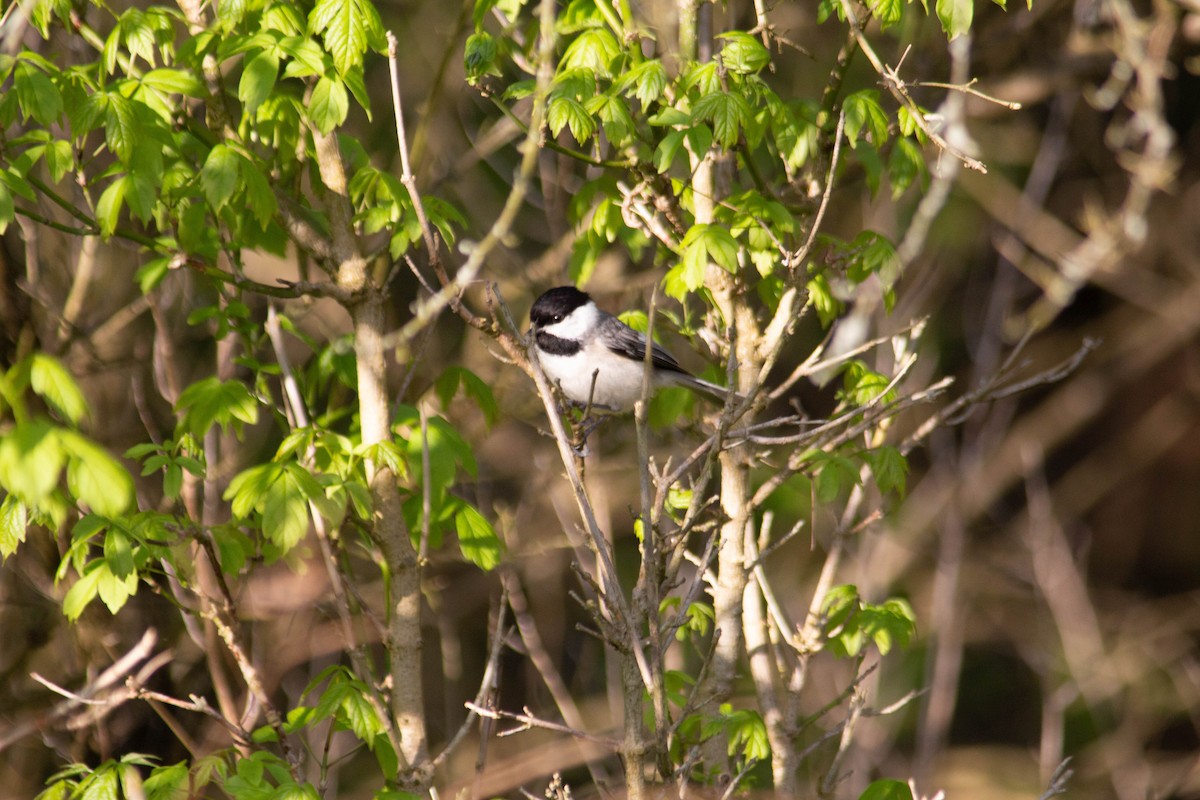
(766, 679)
(404, 643)
(633, 747)
(731, 570)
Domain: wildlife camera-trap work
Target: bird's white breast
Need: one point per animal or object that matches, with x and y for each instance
(618, 382)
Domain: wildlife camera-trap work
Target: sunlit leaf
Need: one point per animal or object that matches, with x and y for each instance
(95, 477)
(328, 105)
(742, 53)
(726, 112)
(258, 79)
(37, 95)
(479, 56)
(593, 49)
(55, 385)
(31, 460)
(955, 16)
(122, 131)
(82, 591)
(174, 81)
(645, 81)
(168, 783)
(114, 590)
(14, 521)
(569, 112)
(349, 28)
(219, 176)
(887, 789)
(212, 401)
(477, 538)
(108, 207)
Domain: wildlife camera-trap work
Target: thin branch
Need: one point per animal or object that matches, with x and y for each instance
(529, 721)
(452, 288)
(899, 90)
(968, 88)
(406, 176)
(797, 260)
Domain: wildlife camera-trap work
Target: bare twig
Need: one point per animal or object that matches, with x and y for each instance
(529, 721)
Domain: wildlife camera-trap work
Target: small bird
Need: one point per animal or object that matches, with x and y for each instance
(597, 358)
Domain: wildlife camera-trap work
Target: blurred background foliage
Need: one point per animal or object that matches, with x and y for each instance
(1049, 542)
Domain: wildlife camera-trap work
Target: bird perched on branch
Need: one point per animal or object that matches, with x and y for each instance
(596, 359)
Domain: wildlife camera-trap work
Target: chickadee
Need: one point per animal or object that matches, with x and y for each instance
(579, 345)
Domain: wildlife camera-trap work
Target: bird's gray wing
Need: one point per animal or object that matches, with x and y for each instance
(625, 341)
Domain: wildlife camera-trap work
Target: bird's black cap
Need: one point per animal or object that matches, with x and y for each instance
(555, 304)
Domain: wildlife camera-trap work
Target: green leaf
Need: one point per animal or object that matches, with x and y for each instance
(168, 783)
(285, 511)
(118, 553)
(909, 125)
(329, 104)
(259, 194)
(569, 112)
(955, 16)
(31, 461)
(840, 604)
(835, 475)
(151, 274)
(258, 79)
(51, 381)
(122, 132)
(307, 57)
(905, 165)
(743, 54)
(477, 538)
(667, 149)
(747, 735)
(889, 467)
(7, 207)
(701, 244)
(670, 117)
(174, 81)
(887, 789)
(14, 521)
(888, 12)
(348, 28)
(892, 622)
(248, 489)
(473, 387)
(593, 49)
(95, 477)
(687, 276)
(479, 57)
(108, 207)
(863, 112)
(704, 77)
(115, 591)
(37, 95)
(219, 176)
(646, 81)
(212, 401)
(872, 253)
(360, 715)
(726, 112)
(60, 159)
(82, 591)
(144, 182)
(862, 385)
(613, 113)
